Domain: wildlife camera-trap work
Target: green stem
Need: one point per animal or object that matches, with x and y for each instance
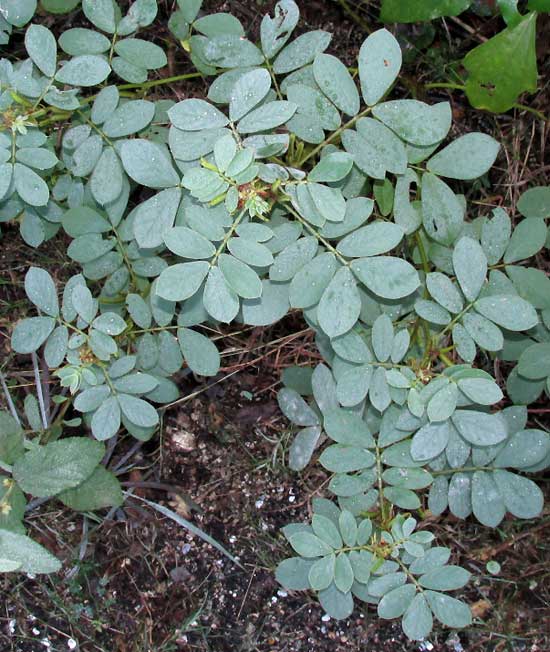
(316, 234)
(227, 237)
(524, 107)
(159, 82)
(333, 136)
(456, 87)
(381, 498)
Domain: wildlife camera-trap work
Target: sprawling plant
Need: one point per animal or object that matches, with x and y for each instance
(296, 185)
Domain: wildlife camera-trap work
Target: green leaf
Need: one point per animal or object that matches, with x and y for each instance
(101, 13)
(386, 276)
(532, 285)
(495, 235)
(415, 11)
(321, 574)
(503, 67)
(42, 48)
(106, 182)
(138, 411)
(343, 573)
(430, 441)
(84, 70)
(276, 31)
(449, 611)
(479, 428)
(396, 602)
(187, 243)
(521, 496)
(106, 419)
(155, 217)
(148, 164)
(27, 555)
(509, 311)
(301, 51)
(308, 545)
(337, 604)
(466, 158)
(444, 292)
(535, 202)
(417, 621)
(524, 449)
(376, 238)
(379, 64)
(36, 157)
(347, 428)
(302, 447)
(340, 304)
(292, 258)
(348, 528)
(101, 489)
(220, 301)
(293, 573)
(345, 459)
(129, 118)
(248, 91)
(41, 290)
(534, 362)
(445, 578)
(195, 115)
(487, 504)
(77, 41)
(267, 116)
(47, 470)
(382, 337)
(332, 167)
(481, 331)
(249, 252)
(326, 530)
(11, 439)
(18, 12)
(30, 187)
(141, 53)
(414, 121)
(309, 283)
(375, 149)
(442, 212)
(29, 334)
(109, 323)
(240, 277)
(481, 390)
(269, 308)
(336, 83)
(295, 408)
(527, 239)
(470, 265)
(199, 352)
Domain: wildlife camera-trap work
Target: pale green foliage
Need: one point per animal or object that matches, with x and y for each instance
(293, 186)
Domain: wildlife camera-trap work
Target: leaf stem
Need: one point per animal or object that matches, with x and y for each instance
(333, 136)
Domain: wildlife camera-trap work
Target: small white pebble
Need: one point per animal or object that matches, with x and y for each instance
(282, 594)
(260, 502)
(291, 499)
(35, 631)
(232, 538)
(46, 642)
(71, 644)
(274, 600)
(325, 618)
(11, 626)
